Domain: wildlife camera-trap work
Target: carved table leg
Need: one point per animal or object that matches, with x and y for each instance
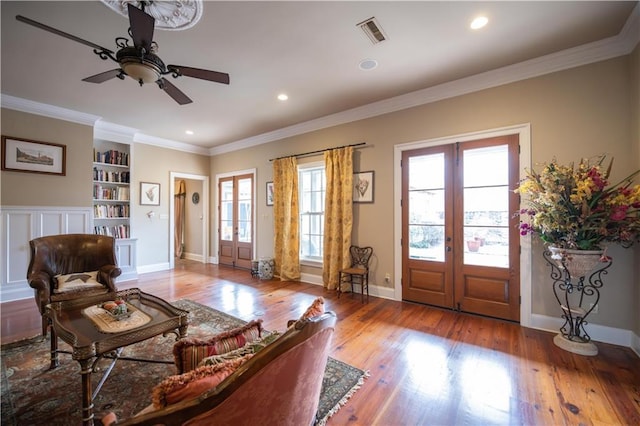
(87, 399)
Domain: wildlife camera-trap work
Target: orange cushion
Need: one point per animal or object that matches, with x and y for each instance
(190, 385)
(316, 308)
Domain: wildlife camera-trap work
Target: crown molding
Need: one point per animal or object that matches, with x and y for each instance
(622, 44)
(170, 144)
(46, 110)
(114, 132)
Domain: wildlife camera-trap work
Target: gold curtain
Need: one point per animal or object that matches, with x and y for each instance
(179, 213)
(285, 217)
(338, 214)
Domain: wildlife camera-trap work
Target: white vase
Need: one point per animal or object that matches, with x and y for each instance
(578, 262)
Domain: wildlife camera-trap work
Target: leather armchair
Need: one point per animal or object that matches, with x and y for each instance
(279, 385)
(56, 255)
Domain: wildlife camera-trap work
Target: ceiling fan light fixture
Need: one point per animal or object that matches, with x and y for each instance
(141, 72)
(142, 68)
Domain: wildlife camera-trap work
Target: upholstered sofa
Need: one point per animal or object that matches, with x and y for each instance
(70, 266)
(245, 377)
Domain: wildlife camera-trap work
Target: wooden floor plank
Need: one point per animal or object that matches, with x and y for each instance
(428, 366)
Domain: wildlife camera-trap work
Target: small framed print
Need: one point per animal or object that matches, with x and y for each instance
(363, 187)
(23, 155)
(149, 194)
(269, 193)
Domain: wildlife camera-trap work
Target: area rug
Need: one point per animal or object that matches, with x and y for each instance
(34, 395)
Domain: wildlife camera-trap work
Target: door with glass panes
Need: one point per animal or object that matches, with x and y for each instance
(460, 235)
(235, 225)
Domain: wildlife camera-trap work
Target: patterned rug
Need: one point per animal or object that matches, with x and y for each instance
(34, 395)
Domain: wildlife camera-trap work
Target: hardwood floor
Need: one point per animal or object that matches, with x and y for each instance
(428, 366)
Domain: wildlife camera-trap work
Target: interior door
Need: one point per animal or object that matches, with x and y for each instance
(460, 235)
(235, 226)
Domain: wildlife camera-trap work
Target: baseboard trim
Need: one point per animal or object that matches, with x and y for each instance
(153, 268)
(16, 293)
(193, 256)
(598, 333)
(374, 290)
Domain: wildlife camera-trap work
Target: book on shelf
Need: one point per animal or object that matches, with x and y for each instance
(111, 156)
(101, 175)
(116, 231)
(111, 211)
(101, 192)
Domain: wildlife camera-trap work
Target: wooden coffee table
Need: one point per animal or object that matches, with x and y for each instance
(75, 322)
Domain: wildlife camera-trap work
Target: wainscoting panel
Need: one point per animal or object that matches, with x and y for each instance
(22, 224)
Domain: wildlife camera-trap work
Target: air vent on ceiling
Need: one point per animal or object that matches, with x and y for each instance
(373, 30)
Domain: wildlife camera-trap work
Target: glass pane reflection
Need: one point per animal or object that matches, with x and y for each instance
(486, 206)
(426, 207)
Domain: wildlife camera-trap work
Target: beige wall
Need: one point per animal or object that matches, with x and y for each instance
(33, 189)
(154, 164)
(575, 113)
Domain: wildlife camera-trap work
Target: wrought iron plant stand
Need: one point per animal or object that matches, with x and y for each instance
(577, 296)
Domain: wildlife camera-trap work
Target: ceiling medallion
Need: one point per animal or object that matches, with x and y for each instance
(173, 15)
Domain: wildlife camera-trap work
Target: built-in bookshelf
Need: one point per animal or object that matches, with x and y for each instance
(112, 200)
(111, 191)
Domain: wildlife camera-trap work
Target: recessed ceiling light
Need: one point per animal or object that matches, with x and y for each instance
(282, 97)
(189, 132)
(368, 64)
(479, 22)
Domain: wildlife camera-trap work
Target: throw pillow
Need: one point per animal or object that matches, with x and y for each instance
(188, 353)
(190, 385)
(250, 348)
(316, 308)
(72, 282)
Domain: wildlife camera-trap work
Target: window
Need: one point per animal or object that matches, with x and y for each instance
(311, 184)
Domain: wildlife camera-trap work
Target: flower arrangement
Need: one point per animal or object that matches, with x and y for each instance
(575, 207)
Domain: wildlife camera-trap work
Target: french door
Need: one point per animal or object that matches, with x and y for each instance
(235, 223)
(460, 234)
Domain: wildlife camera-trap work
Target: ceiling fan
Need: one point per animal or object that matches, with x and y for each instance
(138, 61)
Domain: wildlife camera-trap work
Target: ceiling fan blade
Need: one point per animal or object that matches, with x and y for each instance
(218, 77)
(141, 26)
(103, 76)
(61, 33)
(174, 92)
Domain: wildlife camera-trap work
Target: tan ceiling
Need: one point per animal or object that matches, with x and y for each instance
(309, 50)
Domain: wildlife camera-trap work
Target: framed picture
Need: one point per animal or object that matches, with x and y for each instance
(363, 187)
(149, 194)
(23, 155)
(269, 193)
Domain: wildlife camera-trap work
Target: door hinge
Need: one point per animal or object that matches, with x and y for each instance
(520, 300)
(459, 309)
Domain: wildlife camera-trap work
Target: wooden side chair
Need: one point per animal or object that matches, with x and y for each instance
(358, 272)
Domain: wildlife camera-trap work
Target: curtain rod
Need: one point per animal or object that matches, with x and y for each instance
(318, 151)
